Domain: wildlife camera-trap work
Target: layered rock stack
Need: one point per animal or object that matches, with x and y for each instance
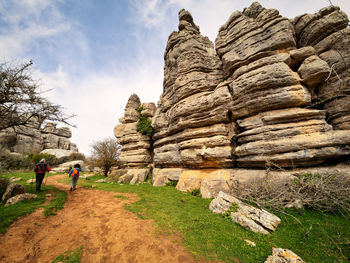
(329, 33)
(192, 124)
(273, 93)
(270, 80)
(136, 147)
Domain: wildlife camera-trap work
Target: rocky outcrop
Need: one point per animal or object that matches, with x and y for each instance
(136, 147)
(328, 32)
(32, 139)
(192, 123)
(273, 93)
(251, 218)
(270, 80)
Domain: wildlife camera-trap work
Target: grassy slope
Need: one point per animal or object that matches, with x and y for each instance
(13, 212)
(319, 237)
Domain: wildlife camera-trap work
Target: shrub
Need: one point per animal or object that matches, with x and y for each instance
(144, 125)
(76, 156)
(14, 162)
(324, 193)
(36, 157)
(171, 183)
(196, 192)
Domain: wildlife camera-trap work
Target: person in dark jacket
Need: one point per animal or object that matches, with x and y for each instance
(74, 173)
(40, 169)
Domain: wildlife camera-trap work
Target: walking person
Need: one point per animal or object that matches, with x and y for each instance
(74, 173)
(40, 169)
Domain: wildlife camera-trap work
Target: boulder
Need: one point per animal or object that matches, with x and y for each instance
(30, 181)
(12, 190)
(21, 197)
(64, 167)
(251, 218)
(132, 176)
(280, 255)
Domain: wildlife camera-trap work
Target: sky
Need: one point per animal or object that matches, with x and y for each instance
(90, 55)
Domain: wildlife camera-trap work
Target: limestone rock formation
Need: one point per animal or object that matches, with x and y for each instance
(192, 123)
(251, 218)
(270, 80)
(274, 92)
(328, 32)
(136, 147)
(32, 139)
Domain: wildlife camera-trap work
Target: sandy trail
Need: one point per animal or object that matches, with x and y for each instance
(92, 219)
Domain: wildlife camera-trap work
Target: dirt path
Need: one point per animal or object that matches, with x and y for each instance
(92, 219)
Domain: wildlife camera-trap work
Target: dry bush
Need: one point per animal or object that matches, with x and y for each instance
(326, 192)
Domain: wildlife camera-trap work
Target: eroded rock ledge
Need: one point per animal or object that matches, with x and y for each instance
(274, 92)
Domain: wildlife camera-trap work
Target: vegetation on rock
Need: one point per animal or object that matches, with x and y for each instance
(144, 125)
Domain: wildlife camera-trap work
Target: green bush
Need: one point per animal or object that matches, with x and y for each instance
(36, 157)
(196, 192)
(10, 161)
(171, 183)
(144, 125)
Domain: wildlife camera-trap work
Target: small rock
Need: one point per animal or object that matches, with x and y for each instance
(101, 181)
(280, 255)
(15, 179)
(30, 181)
(250, 243)
(48, 195)
(93, 186)
(21, 197)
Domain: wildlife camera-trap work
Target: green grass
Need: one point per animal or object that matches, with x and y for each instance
(11, 213)
(71, 256)
(123, 197)
(215, 238)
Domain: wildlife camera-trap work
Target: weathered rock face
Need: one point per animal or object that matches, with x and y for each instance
(328, 32)
(273, 93)
(270, 80)
(192, 122)
(32, 139)
(136, 148)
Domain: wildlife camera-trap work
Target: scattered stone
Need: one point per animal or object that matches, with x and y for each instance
(48, 195)
(12, 190)
(250, 243)
(21, 197)
(93, 186)
(30, 181)
(101, 181)
(280, 255)
(251, 218)
(15, 179)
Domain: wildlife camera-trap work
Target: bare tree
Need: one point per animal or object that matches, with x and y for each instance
(106, 153)
(21, 100)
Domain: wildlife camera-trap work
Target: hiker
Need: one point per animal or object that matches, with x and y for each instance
(40, 169)
(75, 176)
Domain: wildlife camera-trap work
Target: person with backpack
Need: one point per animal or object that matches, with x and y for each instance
(40, 169)
(74, 173)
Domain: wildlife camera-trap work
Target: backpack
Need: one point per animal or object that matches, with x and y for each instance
(75, 173)
(40, 168)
